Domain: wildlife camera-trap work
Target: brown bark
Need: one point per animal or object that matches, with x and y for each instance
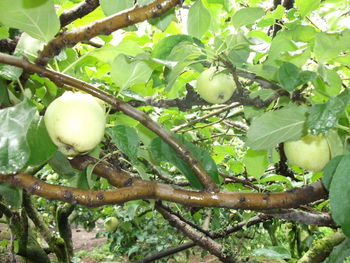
(78, 11)
(133, 189)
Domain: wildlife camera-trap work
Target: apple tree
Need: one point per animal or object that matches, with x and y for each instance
(221, 124)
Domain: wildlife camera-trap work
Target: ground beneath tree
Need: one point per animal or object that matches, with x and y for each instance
(87, 241)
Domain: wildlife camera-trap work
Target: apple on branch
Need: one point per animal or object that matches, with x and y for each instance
(311, 152)
(75, 122)
(215, 87)
(111, 224)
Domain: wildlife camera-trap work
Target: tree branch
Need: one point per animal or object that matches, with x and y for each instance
(320, 249)
(203, 241)
(78, 11)
(104, 26)
(207, 182)
(303, 217)
(135, 189)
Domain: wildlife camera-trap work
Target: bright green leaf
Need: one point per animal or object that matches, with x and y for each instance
(198, 20)
(272, 252)
(40, 22)
(162, 152)
(11, 194)
(339, 195)
(163, 48)
(256, 162)
(40, 144)
(323, 117)
(126, 72)
(14, 125)
(271, 128)
(247, 16)
(340, 253)
(126, 139)
(288, 75)
(305, 7)
(110, 7)
(329, 171)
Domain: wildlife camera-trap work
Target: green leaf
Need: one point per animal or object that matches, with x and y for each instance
(108, 52)
(110, 7)
(340, 252)
(238, 57)
(4, 96)
(326, 46)
(247, 16)
(11, 194)
(302, 33)
(40, 22)
(272, 252)
(60, 164)
(4, 32)
(271, 128)
(33, 3)
(335, 143)
(163, 21)
(305, 7)
(14, 125)
(256, 162)
(126, 72)
(323, 117)
(329, 171)
(80, 180)
(198, 20)
(40, 144)
(339, 195)
(288, 76)
(163, 48)
(162, 152)
(126, 139)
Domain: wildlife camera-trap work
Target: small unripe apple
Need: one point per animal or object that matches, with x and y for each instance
(75, 122)
(311, 152)
(111, 224)
(215, 87)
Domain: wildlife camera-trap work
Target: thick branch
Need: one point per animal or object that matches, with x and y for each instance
(80, 10)
(104, 26)
(135, 189)
(321, 248)
(197, 168)
(303, 217)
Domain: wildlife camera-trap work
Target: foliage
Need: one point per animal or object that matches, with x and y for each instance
(290, 63)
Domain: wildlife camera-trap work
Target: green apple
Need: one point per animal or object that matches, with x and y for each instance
(111, 224)
(215, 87)
(311, 152)
(75, 122)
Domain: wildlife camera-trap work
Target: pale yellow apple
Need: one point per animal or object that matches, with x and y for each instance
(215, 87)
(111, 224)
(75, 122)
(311, 152)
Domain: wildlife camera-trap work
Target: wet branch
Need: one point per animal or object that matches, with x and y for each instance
(135, 189)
